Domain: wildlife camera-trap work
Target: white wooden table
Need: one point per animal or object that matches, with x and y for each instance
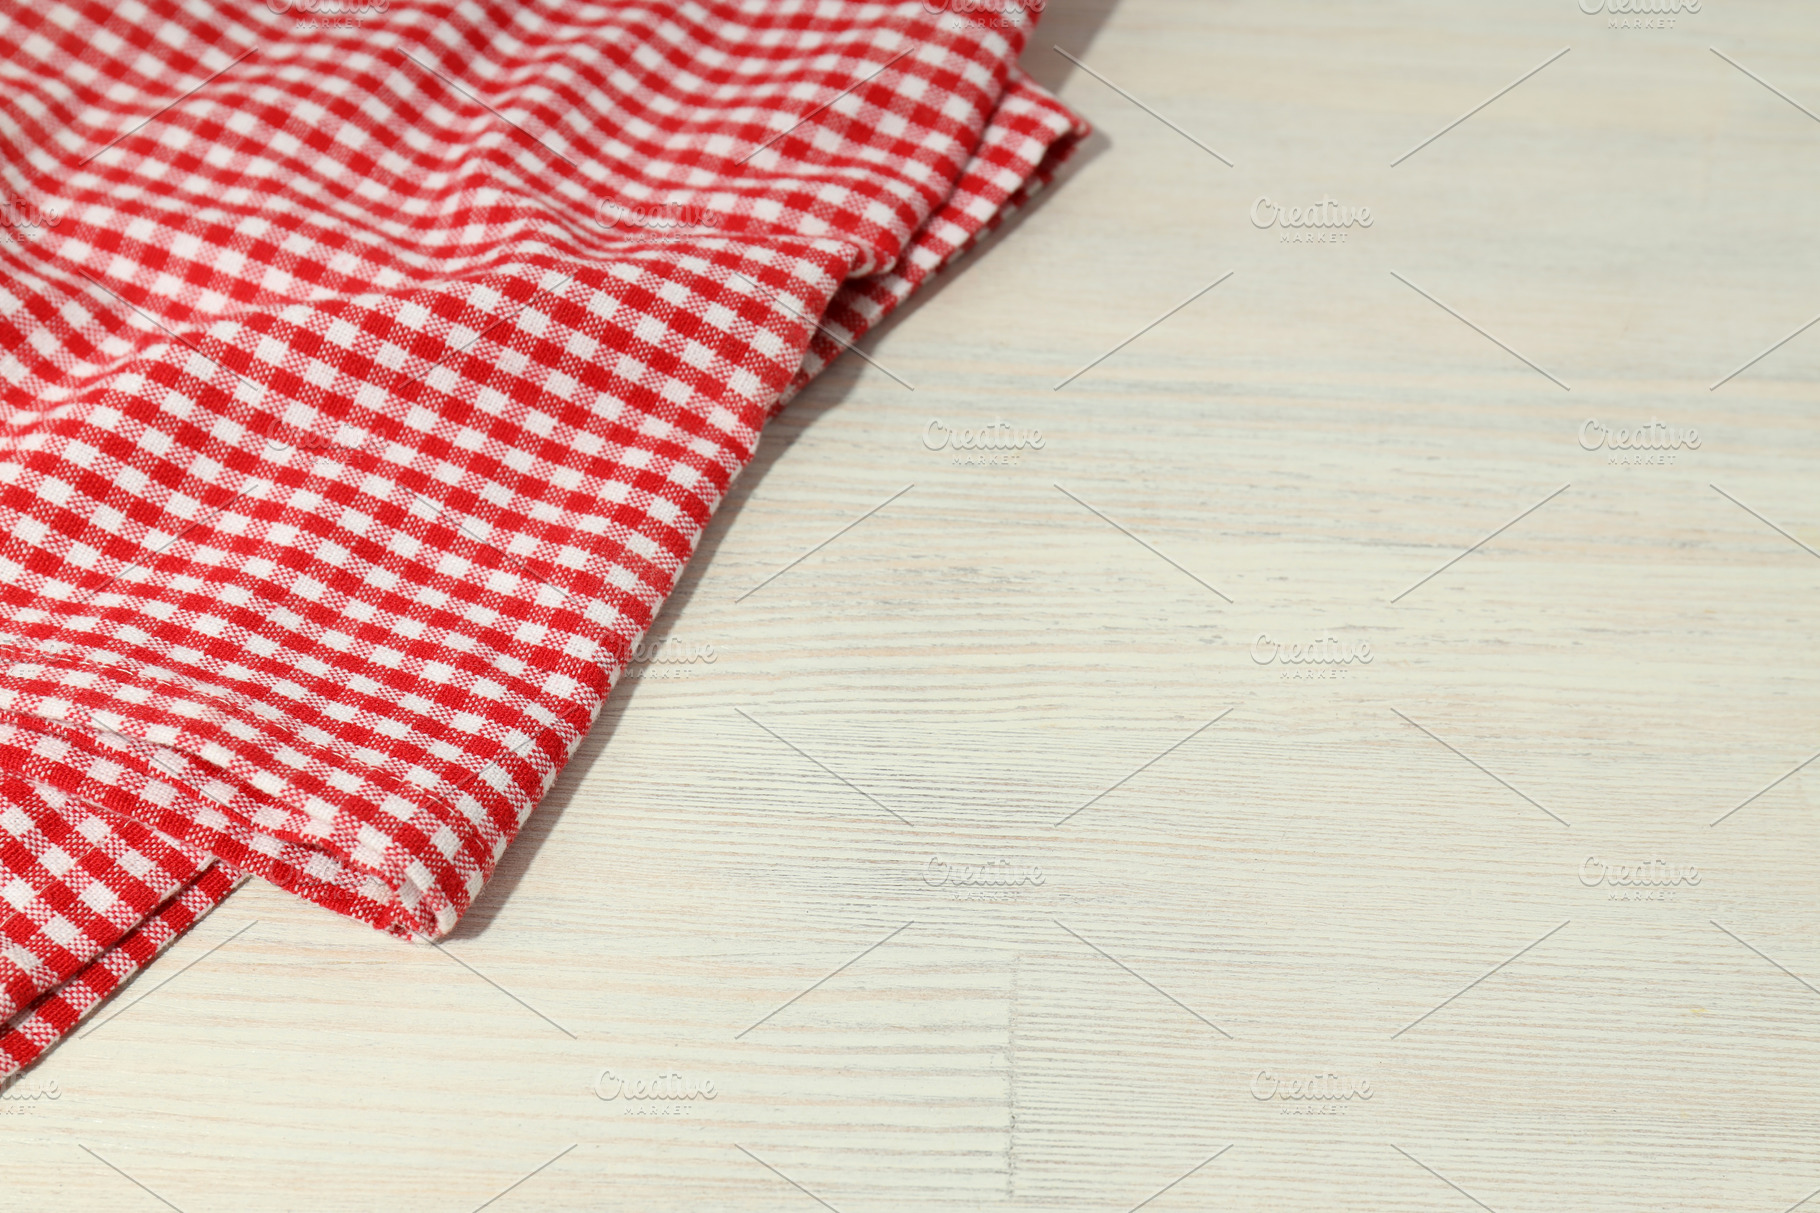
(753, 878)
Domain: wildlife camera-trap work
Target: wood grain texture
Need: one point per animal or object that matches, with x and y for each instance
(1294, 889)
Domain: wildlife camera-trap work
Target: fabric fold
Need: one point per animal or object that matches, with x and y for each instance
(353, 437)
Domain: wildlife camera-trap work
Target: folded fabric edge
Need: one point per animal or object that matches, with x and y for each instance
(35, 1030)
(1030, 137)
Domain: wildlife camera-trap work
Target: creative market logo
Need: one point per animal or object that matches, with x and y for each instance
(24, 213)
(995, 880)
(1001, 14)
(669, 658)
(653, 217)
(1323, 222)
(1654, 443)
(1317, 659)
(22, 1100)
(1639, 14)
(1656, 880)
(997, 445)
(665, 1094)
(1323, 1094)
(328, 8)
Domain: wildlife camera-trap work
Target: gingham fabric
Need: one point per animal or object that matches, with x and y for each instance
(363, 405)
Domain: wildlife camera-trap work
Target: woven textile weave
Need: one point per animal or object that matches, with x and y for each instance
(368, 379)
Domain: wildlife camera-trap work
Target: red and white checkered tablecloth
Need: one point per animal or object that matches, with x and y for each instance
(369, 374)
